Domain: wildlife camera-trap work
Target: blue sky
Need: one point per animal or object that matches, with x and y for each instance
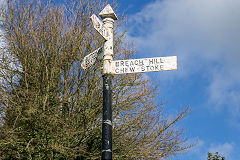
(205, 35)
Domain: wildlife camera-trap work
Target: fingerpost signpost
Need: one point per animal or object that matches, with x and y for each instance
(111, 67)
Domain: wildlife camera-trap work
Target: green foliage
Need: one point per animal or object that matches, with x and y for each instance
(51, 108)
(216, 156)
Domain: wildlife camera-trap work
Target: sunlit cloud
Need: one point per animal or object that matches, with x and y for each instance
(225, 149)
(205, 36)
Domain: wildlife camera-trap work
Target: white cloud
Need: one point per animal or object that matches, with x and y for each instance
(225, 149)
(204, 34)
(201, 149)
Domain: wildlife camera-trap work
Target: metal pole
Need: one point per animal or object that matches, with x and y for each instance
(108, 20)
(107, 118)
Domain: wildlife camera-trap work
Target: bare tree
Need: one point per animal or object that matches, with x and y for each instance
(52, 108)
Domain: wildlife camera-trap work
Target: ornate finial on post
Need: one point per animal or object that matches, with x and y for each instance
(108, 12)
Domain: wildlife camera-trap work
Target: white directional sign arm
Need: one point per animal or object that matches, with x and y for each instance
(91, 58)
(144, 65)
(99, 26)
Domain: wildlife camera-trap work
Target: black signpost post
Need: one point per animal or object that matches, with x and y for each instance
(107, 117)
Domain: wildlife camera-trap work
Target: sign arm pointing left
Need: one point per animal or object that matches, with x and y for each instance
(91, 58)
(99, 26)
